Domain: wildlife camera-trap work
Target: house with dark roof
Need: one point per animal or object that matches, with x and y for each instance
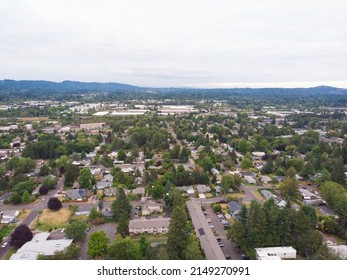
(234, 207)
(77, 194)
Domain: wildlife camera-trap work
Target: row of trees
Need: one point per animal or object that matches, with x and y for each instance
(268, 225)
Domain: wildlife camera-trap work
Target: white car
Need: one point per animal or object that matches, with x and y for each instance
(4, 244)
(211, 226)
(224, 222)
(208, 220)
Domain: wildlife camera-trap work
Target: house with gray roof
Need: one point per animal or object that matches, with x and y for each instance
(234, 207)
(203, 188)
(267, 194)
(100, 185)
(40, 245)
(77, 194)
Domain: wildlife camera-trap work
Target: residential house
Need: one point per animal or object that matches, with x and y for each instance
(202, 188)
(267, 194)
(250, 180)
(110, 191)
(77, 194)
(152, 226)
(139, 191)
(100, 185)
(265, 179)
(150, 207)
(8, 216)
(234, 207)
(186, 189)
(257, 155)
(40, 245)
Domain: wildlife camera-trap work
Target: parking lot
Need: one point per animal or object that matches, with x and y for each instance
(229, 247)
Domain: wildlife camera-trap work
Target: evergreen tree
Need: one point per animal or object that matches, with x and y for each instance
(338, 171)
(178, 234)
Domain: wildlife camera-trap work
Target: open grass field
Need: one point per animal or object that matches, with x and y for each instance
(53, 219)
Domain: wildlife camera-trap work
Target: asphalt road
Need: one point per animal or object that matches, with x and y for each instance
(35, 211)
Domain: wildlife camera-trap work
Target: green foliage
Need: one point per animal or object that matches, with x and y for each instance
(27, 186)
(178, 235)
(124, 249)
(269, 225)
(246, 163)
(71, 174)
(76, 230)
(26, 198)
(98, 245)
(49, 182)
(85, 179)
(289, 189)
(216, 207)
(336, 197)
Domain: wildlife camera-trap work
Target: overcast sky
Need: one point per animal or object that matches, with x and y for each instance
(209, 43)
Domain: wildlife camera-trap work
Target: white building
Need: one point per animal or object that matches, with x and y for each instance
(39, 245)
(8, 216)
(275, 253)
(153, 226)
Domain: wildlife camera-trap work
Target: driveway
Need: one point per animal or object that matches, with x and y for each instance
(110, 231)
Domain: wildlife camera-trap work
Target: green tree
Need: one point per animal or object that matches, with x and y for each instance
(178, 234)
(308, 170)
(121, 207)
(98, 244)
(268, 168)
(227, 183)
(76, 230)
(124, 249)
(44, 170)
(121, 155)
(15, 198)
(49, 182)
(338, 171)
(26, 197)
(71, 174)
(192, 251)
(289, 189)
(85, 179)
(246, 163)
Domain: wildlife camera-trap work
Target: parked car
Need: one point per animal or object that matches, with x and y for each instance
(4, 244)
(208, 220)
(224, 222)
(211, 226)
(221, 244)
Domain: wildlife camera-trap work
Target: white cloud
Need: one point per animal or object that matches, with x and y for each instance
(174, 43)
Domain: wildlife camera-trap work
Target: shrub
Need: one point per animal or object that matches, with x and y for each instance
(54, 204)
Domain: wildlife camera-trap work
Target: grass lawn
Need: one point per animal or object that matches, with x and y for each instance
(23, 214)
(152, 238)
(235, 196)
(10, 253)
(53, 219)
(209, 195)
(5, 230)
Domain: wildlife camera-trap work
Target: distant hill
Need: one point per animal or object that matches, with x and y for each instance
(12, 85)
